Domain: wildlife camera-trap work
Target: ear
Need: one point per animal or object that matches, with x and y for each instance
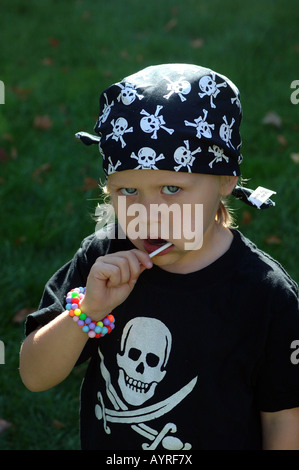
(227, 184)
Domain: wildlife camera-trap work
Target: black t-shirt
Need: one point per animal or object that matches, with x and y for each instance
(193, 358)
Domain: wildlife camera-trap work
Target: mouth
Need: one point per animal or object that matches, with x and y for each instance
(136, 385)
(152, 244)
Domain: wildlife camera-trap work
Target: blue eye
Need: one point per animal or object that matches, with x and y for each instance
(128, 191)
(170, 189)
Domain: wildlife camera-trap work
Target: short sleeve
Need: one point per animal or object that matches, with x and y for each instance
(72, 274)
(278, 383)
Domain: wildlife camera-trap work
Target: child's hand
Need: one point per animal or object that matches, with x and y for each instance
(110, 281)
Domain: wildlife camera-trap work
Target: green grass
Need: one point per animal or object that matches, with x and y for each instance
(56, 57)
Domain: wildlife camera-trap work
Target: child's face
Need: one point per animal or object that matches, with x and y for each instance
(186, 193)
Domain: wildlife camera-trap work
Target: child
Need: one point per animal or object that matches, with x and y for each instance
(198, 343)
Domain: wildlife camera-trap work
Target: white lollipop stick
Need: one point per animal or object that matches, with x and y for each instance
(161, 248)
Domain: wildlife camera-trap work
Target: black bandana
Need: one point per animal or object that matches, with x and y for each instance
(175, 117)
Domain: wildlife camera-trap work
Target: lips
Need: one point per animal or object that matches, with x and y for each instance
(151, 244)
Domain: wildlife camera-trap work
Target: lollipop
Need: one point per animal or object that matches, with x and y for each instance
(161, 248)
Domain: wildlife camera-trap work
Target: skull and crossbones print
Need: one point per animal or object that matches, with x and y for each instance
(225, 131)
(152, 123)
(152, 116)
(106, 111)
(180, 87)
(120, 127)
(202, 126)
(209, 87)
(147, 158)
(111, 167)
(184, 157)
(219, 155)
(145, 348)
(128, 93)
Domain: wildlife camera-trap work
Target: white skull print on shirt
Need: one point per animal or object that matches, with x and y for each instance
(142, 360)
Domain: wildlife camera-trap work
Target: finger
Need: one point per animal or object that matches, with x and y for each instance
(137, 261)
(114, 277)
(104, 271)
(121, 267)
(143, 258)
(124, 268)
(120, 270)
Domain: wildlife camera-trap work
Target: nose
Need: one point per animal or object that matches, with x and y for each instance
(148, 217)
(140, 368)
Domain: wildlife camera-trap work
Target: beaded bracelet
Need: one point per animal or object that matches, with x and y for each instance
(93, 328)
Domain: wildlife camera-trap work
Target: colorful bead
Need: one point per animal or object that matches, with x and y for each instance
(92, 328)
(104, 330)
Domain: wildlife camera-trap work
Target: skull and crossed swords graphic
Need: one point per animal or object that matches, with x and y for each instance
(133, 351)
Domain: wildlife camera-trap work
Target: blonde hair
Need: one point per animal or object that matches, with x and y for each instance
(224, 215)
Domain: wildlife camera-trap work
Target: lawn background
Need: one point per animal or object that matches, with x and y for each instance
(55, 58)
